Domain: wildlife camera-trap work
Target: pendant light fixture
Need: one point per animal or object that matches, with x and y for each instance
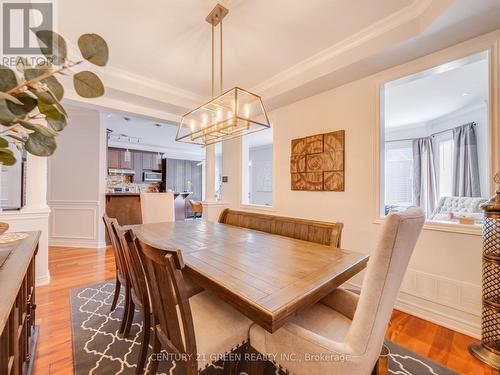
(232, 114)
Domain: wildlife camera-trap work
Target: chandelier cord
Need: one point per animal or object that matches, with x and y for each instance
(221, 56)
(213, 62)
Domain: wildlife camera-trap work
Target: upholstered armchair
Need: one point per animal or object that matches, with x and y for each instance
(458, 206)
(344, 333)
(157, 207)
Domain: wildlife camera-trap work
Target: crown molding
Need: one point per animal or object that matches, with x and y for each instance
(120, 79)
(399, 26)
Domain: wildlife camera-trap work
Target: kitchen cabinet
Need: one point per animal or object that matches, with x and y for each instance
(126, 164)
(137, 157)
(150, 161)
(147, 161)
(114, 157)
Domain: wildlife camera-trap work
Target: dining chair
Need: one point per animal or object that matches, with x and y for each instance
(157, 207)
(121, 273)
(139, 293)
(196, 207)
(200, 329)
(344, 334)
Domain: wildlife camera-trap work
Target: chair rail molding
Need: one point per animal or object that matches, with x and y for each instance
(76, 224)
(451, 303)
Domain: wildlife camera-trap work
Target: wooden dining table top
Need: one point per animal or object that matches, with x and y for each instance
(267, 277)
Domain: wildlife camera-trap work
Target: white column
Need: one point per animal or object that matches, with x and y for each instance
(210, 173)
(35, 214)
(36, 183)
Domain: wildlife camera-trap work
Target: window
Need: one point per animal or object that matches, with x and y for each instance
(398, 175)
(257, 168)
(434, 141)
(445, 165)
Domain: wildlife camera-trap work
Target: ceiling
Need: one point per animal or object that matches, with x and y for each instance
(145, 134)
(282, 50)
(169, 41)
(434, 94)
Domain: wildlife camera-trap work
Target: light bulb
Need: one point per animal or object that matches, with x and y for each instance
(246, 109)
(192, 125)
(218, 114)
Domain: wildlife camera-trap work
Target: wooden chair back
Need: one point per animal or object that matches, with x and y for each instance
(173, 320)
(325, 233)
(134, 264)
(195, 206)
(121, 265)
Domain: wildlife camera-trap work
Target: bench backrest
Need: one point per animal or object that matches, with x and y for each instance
(321, 232)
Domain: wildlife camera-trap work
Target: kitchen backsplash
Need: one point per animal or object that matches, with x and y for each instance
(123, 183)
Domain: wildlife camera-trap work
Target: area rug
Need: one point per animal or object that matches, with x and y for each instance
(99, 350)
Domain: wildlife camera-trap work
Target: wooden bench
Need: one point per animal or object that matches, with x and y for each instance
(321, 232)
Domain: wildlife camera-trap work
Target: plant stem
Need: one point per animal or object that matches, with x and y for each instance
(22, 86)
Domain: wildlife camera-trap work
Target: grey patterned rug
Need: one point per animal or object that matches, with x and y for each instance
(99, 350)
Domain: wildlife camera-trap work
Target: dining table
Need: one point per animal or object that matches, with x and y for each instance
(268, 278)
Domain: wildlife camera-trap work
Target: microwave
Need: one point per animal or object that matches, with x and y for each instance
(151, 177)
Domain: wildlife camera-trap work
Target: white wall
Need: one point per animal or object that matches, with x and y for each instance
(76, 184)
(443, 282)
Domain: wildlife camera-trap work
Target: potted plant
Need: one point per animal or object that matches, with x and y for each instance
(31, 113)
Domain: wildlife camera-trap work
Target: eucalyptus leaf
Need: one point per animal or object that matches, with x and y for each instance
(10, 98)
(32, 73)
(7, 157)
(88, 85)
(53, 46)
(8, 79)
(55, 86)
(6, 116)
(56, 119)
(94, 49)
(4, 143)
(48, 132)
(28, 103)
(15, 137)
(40, 145)
(46, 96)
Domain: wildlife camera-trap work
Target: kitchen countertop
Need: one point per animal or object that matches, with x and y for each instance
(129, 194)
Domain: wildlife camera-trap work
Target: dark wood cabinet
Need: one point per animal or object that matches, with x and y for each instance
(114, 155)
(116, 159)
(126, 164)
(18, 333)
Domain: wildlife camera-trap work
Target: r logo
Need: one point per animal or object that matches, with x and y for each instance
(20, 23)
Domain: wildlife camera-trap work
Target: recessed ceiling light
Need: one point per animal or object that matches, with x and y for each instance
(465, 93)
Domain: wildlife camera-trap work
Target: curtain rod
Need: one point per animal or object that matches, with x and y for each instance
(432, 135)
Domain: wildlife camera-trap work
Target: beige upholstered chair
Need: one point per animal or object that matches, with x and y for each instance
(157, 207)
(347, 331)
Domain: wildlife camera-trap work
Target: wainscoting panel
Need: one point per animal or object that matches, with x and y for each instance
(451, 303)
(75, 224)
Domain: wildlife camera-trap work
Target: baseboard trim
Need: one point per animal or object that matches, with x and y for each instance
(76, 243)
(432, 314)
(42, 280)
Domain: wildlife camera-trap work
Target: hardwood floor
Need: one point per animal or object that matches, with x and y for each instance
(74, 268)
